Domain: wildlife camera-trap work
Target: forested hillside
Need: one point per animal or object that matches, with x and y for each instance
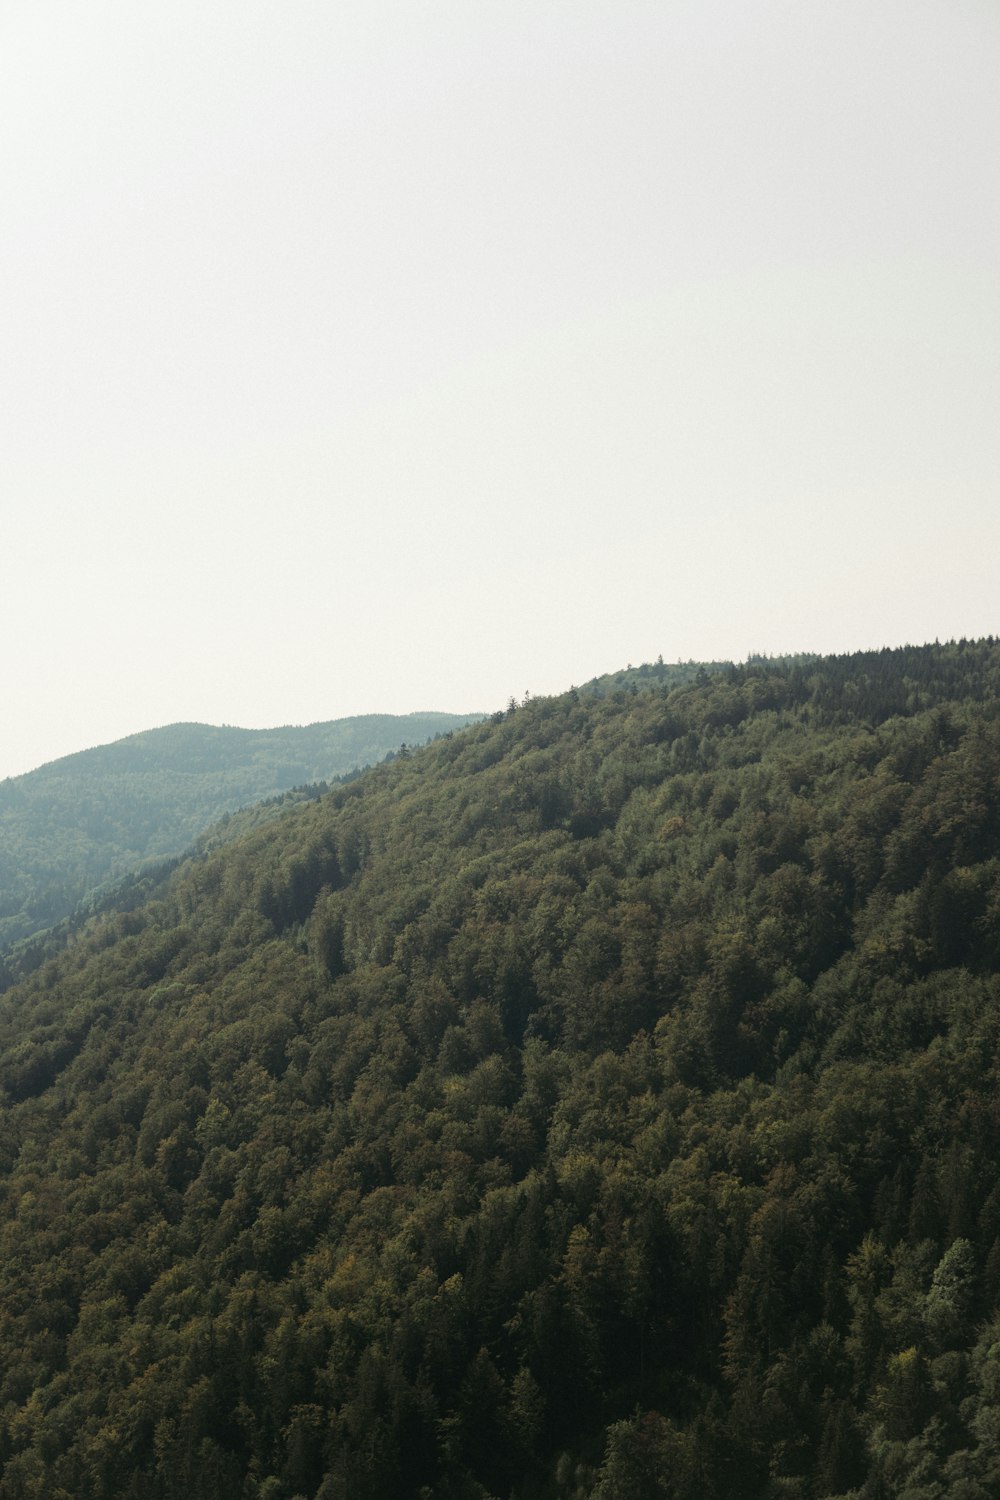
(599, 1103)
(93, 816)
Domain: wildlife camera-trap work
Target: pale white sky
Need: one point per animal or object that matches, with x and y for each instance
(413, 353)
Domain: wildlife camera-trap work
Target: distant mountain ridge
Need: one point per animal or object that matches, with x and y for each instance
(192, 746)
(78, 821)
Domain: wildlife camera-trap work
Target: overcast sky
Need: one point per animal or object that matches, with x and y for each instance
(413, 353)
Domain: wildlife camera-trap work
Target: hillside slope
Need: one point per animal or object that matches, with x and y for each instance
(93, 816)
(600, 1102)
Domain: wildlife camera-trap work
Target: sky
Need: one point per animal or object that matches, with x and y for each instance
(414, 354)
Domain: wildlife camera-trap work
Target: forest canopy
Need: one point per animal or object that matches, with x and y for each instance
(598, 1102)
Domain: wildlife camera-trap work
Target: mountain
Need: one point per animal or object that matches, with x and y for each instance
(599, 1102)
(96, 815)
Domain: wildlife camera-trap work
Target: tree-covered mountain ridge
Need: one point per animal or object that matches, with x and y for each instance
(91, 817)
(598, 1102)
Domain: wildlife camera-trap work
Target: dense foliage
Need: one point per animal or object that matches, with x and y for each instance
(93, 817)
(601, 1102)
